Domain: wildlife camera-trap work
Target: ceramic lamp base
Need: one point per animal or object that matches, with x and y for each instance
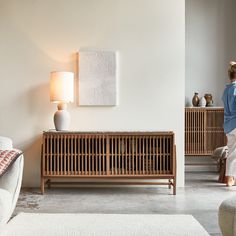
(62, 118)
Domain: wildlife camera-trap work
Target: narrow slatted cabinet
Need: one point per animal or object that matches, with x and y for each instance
(119, 156)
(203, 130)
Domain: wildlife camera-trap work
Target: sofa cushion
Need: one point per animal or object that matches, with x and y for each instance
(7, 159)
(5, 206)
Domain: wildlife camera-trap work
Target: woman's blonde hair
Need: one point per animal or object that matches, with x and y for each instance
(232, 70)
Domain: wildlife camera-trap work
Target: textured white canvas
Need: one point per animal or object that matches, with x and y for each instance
(97, 78)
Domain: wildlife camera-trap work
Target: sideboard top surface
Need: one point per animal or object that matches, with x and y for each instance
(53, 132)
(205, 108)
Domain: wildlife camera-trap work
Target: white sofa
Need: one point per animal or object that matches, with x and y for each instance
(10, 184)
(227, 216)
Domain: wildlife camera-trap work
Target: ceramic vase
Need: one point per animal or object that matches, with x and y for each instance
(61, 118)
(195, 100)
(209, 101)
(202, 102)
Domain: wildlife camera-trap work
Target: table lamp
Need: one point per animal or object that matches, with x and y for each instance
(62, 92)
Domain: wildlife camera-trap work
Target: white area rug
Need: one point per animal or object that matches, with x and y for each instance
(27, 224)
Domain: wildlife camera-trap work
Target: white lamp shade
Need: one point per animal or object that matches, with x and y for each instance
(62, 86)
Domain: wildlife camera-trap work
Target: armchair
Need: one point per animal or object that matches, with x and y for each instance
(10, 184)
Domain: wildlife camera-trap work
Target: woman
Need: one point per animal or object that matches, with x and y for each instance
(229, 100)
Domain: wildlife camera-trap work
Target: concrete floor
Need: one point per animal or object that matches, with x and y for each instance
(201, 198)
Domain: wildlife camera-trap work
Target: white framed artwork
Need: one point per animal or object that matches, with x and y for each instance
(97, 78)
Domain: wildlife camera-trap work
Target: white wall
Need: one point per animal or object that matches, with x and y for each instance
(210, 45)
(41, 36)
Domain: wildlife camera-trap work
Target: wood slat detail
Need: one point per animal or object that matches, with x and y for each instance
(118, 155)
(203, 130)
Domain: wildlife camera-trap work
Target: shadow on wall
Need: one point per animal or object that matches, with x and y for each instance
(33, 112)
(32, 162)
(26, 110)
(188, 102)
(38, 116)
(39, 106)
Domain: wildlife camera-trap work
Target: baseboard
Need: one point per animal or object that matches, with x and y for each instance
(204, 163)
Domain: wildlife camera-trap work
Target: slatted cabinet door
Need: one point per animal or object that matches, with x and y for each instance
(109, 155)
(133, 155)
(195, 130)
(203, 131)
(73, 155)
(215, 136)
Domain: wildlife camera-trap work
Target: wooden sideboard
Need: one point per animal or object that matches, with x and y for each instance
(109, 156)
(203, 130)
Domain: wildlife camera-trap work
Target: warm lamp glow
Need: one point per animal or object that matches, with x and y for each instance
(62, 87)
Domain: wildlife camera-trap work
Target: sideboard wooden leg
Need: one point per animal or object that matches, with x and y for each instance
(174, 186)
(170, 183)
(42, 185)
